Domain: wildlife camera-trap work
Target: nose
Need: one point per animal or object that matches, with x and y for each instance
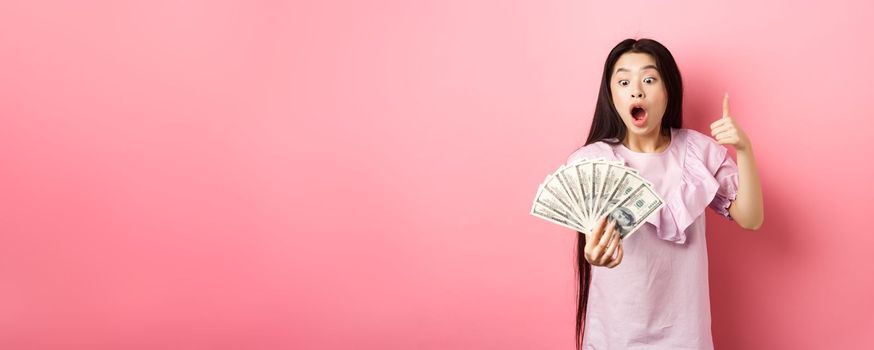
(636, 91)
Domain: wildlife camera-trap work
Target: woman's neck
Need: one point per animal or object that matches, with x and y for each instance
(653, 143)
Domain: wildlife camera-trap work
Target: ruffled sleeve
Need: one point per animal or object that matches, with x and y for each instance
(727, 177)
(720, 167)
(709, 178)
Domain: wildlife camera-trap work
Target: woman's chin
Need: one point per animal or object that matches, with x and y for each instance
(640, 130)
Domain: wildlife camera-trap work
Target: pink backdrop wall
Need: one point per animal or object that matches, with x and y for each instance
(327, 175)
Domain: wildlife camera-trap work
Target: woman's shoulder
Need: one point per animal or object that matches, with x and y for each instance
(704, 148)
(598, 149)
(697, 137)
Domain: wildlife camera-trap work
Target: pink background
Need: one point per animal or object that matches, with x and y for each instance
(327, 175)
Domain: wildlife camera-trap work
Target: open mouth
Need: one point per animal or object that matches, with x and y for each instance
(638, 113)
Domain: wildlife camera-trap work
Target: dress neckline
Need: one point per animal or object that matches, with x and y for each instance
(667, 150)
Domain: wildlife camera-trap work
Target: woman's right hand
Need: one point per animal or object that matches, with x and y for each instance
(603, 243)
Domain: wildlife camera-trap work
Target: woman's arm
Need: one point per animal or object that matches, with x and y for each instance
(747, 209)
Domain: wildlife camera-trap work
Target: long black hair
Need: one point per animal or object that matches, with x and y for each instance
(607, 126)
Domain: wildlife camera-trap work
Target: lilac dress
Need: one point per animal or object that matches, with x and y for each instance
(659, 297)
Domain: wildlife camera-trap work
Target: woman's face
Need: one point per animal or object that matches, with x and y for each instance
(639, 93)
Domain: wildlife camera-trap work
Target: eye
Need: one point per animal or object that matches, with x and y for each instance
(623, 82)
(649, 80)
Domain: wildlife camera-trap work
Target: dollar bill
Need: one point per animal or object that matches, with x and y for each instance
(634, 210)
(598, 173)
(569, 179)
(629, 181)
(553, 195)
(584, 173)
(544, 212)
(611, 177)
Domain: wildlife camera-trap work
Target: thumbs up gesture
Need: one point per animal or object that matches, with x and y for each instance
(727, 132)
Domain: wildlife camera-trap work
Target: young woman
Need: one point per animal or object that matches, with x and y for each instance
(652, 290)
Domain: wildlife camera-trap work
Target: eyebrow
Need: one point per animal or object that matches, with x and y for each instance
(644, 68)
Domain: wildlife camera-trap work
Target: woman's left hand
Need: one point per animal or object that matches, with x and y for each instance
(727, 132)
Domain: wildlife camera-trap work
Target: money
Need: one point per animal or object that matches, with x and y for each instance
(579, 193)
